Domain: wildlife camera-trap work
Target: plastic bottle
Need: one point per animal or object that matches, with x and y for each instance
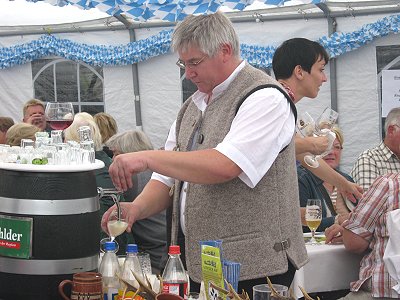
(174, 276)
(131, 263)
(109, 268)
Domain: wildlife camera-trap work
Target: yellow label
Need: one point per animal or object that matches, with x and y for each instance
(128, 296)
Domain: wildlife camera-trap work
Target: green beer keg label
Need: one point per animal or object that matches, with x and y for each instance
(15, 236)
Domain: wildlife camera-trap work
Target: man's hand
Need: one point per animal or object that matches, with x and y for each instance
(132, 213)
(334, 234)
(124, 166)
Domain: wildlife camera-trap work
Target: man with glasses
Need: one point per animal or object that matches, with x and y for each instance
(232, 174)
(382, 159)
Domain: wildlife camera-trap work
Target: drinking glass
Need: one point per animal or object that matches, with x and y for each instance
(145, 263)
(263, 291)
(322, 127)
(326, 120)
(117, 222)
(305, 124)
(59, 115)
(313, 218)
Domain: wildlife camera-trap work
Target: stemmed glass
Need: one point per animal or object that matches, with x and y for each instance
(117, 222)
(322, 127)
(313, 218)
(59, 115)
(305, 124)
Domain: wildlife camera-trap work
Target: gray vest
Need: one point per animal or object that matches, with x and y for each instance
(260, 227)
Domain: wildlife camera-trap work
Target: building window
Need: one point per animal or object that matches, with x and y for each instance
(61, 80)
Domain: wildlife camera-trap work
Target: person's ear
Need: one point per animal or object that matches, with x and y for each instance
(226, 52)
(298, 72)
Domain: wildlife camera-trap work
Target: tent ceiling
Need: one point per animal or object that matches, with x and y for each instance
(306, 11)
(175, 10)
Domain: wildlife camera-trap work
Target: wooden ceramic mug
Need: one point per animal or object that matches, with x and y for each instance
(85, 285)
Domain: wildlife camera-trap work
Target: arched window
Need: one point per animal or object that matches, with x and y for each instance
(61, 80)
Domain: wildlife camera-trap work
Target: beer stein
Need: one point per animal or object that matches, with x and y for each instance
(85, 285)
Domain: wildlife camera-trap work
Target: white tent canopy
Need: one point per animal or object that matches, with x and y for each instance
(148, 94)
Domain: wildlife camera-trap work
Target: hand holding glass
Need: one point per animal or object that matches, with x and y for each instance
(322, 127)
(117, 224)
(313, 218)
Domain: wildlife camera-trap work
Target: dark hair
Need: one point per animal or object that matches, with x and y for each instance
(294, 52)
(5, 123)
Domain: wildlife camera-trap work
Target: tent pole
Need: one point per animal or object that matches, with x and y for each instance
(135, 73)
(332, 25)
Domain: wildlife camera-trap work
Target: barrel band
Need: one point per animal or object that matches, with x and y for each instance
(48, 267)
(49, 207)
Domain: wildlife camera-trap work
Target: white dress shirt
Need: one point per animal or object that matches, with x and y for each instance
(263, 126)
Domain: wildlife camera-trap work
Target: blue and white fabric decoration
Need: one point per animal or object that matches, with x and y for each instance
(100, 55)
(168, 10)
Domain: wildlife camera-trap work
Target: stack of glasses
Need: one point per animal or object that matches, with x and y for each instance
(51, 150)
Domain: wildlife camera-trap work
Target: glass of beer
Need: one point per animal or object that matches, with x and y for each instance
(313, 218)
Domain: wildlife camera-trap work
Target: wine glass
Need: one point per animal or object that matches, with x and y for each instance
(313, 218)
(323, 127)
(305, 124)
(59, 115)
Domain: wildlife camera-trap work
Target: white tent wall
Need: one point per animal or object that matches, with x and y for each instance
(358, 100)
(160, 91)
(160, 88)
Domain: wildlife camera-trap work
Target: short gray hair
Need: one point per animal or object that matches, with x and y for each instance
(392, 118)
(129, 141)
(207, 32)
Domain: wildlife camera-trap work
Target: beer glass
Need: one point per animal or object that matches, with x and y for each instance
(313, 218)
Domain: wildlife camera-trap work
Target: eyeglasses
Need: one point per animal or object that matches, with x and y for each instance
(181, 64)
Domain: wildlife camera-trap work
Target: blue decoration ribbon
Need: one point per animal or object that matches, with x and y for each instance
(168, 10)
(100, 55)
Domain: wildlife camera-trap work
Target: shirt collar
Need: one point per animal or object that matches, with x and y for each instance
(386, 152)
(200, 98)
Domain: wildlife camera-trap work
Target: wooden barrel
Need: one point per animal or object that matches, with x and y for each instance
(63, 210)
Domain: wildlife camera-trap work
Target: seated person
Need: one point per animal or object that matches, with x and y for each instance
(34, 113)
(383, 158)
(366, 232)
(20, 131)
(5, 124)
(103, 178)
(150, 234)
(108, 127)
(312, 187)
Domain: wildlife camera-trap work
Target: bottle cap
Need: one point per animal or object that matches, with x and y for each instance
(174, 249)
(110, 246)
(131, 248)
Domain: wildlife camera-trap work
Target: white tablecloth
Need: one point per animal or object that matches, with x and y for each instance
(331, 268)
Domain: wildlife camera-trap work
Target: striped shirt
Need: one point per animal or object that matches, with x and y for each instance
(368, 220)
(373, 163)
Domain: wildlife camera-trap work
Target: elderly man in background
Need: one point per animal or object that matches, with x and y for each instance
(33, 112)
(232, 176)
(5, 124)
(366, 232)
(382, 159)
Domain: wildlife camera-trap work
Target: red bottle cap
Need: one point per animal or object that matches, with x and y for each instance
(174, 249)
